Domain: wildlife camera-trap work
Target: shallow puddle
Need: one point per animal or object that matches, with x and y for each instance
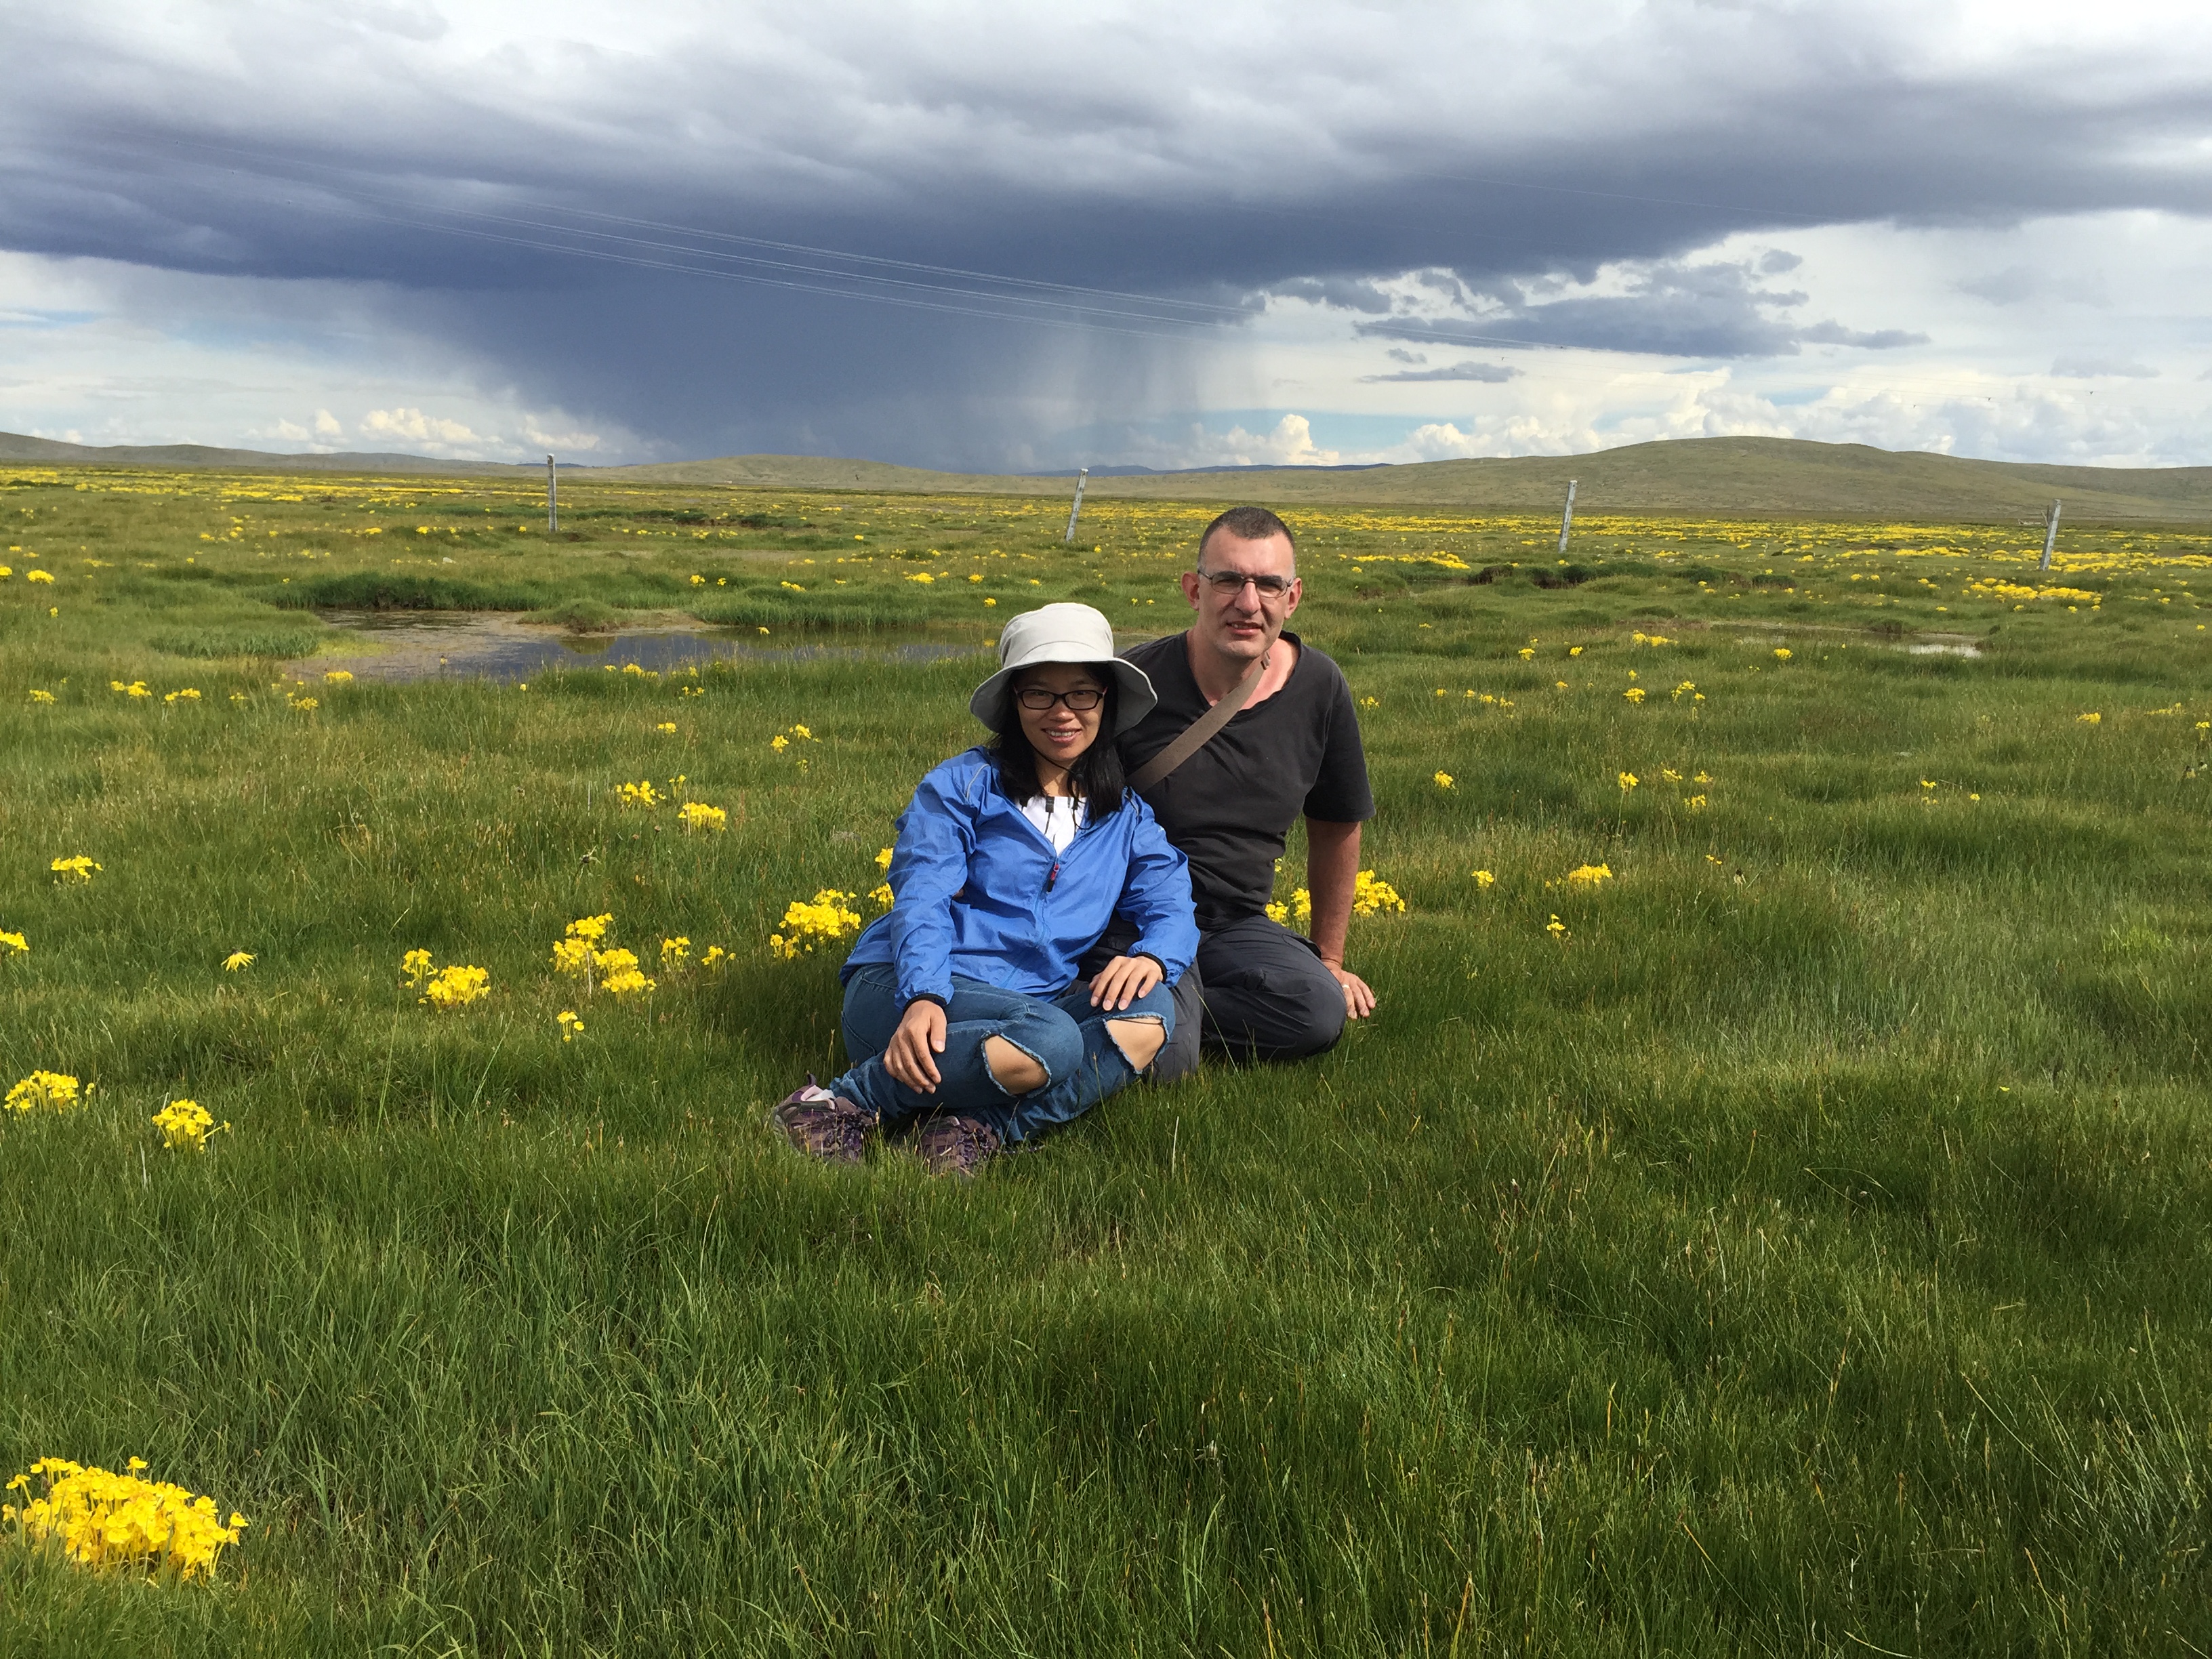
(429, 645)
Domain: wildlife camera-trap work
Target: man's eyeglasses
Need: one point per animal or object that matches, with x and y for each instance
(1082, 699)
(1229, 584)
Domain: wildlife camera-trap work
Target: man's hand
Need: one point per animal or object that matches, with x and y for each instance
(1358, 1000)
(1124, 978)
(921, 1035)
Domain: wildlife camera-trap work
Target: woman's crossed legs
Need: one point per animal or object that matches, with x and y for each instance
(1017, 1063)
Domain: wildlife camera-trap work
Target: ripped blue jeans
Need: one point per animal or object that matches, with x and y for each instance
(1064, 1034)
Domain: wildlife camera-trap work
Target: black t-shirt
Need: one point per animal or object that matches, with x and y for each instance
(1229, 806)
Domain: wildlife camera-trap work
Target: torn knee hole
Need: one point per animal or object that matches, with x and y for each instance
(1139, 1040)
(1017, 1072)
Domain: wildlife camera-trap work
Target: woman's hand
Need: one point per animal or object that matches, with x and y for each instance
(921, 1035)
(1122, 980)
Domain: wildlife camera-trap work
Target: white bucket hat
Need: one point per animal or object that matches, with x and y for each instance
(1061, 633)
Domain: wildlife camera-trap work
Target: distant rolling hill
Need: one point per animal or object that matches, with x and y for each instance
(1728, 477)
(1720, 477)
(17, 447)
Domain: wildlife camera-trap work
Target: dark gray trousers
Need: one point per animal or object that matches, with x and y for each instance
(1257, 991)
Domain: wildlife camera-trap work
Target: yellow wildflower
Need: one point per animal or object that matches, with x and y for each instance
(666, 725)
(1557, 929)
(38, 696)
(697, 815)
(1634, 694)
(821, 921)
(884, 859)
(882, 896)
(52, 1092)
(1628, 781)
(2090, 718)
(185, 1126)
(1589, 875)
(78, 869)
(37, 575)
(1695, 803)
(778, 743)
(641, 793)
(1483, 878)
(1444, 779)
(337, 676)
(571, 1027)
(624, 977)
(1687, 685)
(136, 689)
(1782, 653)
(1574, 651)
(1527, 652)
(457, 987)
(416, 965)
(674, 952)
(236, 960)
(1368, 896)
(713, 956)
(101, 1519)
(305, 705)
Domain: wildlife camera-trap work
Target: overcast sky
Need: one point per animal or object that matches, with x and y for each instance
(1010, 236)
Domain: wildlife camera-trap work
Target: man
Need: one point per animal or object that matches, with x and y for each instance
(1291, 749)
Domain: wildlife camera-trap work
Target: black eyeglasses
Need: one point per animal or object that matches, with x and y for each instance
(1082, 699)
(1229, 584)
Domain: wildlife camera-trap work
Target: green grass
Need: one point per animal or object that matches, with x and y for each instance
(1807, 1254)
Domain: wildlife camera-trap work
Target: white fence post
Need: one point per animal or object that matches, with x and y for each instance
(2050, 536)
(1567, 519)
(1073, 511)
(552, 499)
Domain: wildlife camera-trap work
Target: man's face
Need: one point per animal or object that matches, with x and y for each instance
(1240, 620)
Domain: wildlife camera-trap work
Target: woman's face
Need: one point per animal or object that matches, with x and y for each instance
(1058, 733)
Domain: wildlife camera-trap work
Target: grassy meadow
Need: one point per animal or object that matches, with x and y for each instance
(1792, 1242)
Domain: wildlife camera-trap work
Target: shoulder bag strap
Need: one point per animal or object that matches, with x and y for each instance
(1196, 736)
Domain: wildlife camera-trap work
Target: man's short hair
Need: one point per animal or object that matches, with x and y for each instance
(1249, 524)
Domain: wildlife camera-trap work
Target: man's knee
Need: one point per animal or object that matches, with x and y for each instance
(1286, 1012)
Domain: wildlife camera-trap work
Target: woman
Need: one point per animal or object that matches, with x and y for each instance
(962, 1005)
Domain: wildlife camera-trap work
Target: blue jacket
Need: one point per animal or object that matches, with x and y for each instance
(981, 892)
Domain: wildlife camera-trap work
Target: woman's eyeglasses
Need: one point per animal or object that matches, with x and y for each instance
(1229, 584)
(1082, 699)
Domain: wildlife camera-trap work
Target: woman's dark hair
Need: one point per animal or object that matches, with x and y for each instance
(1096, 775)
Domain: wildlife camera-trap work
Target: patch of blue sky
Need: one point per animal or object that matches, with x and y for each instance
(34, 317)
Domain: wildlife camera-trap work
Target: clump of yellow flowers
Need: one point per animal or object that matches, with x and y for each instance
(786, 742)
(77, 869)
(185, 1126)
(447, 989)
(44, 1091)
(101, 1519)
(13, 946)
(614, 971)
(697, 815)
(638, 794)
(1589, 875)
(822, 919)
(1370, 896)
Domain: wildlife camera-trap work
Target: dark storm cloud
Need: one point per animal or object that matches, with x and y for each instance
(1200, 160)
(1713, 310)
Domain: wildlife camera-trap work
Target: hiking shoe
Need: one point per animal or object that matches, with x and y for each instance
(956, 1145)
(822, 1126)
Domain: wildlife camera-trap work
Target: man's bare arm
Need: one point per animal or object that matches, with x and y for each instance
(1332, 869)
